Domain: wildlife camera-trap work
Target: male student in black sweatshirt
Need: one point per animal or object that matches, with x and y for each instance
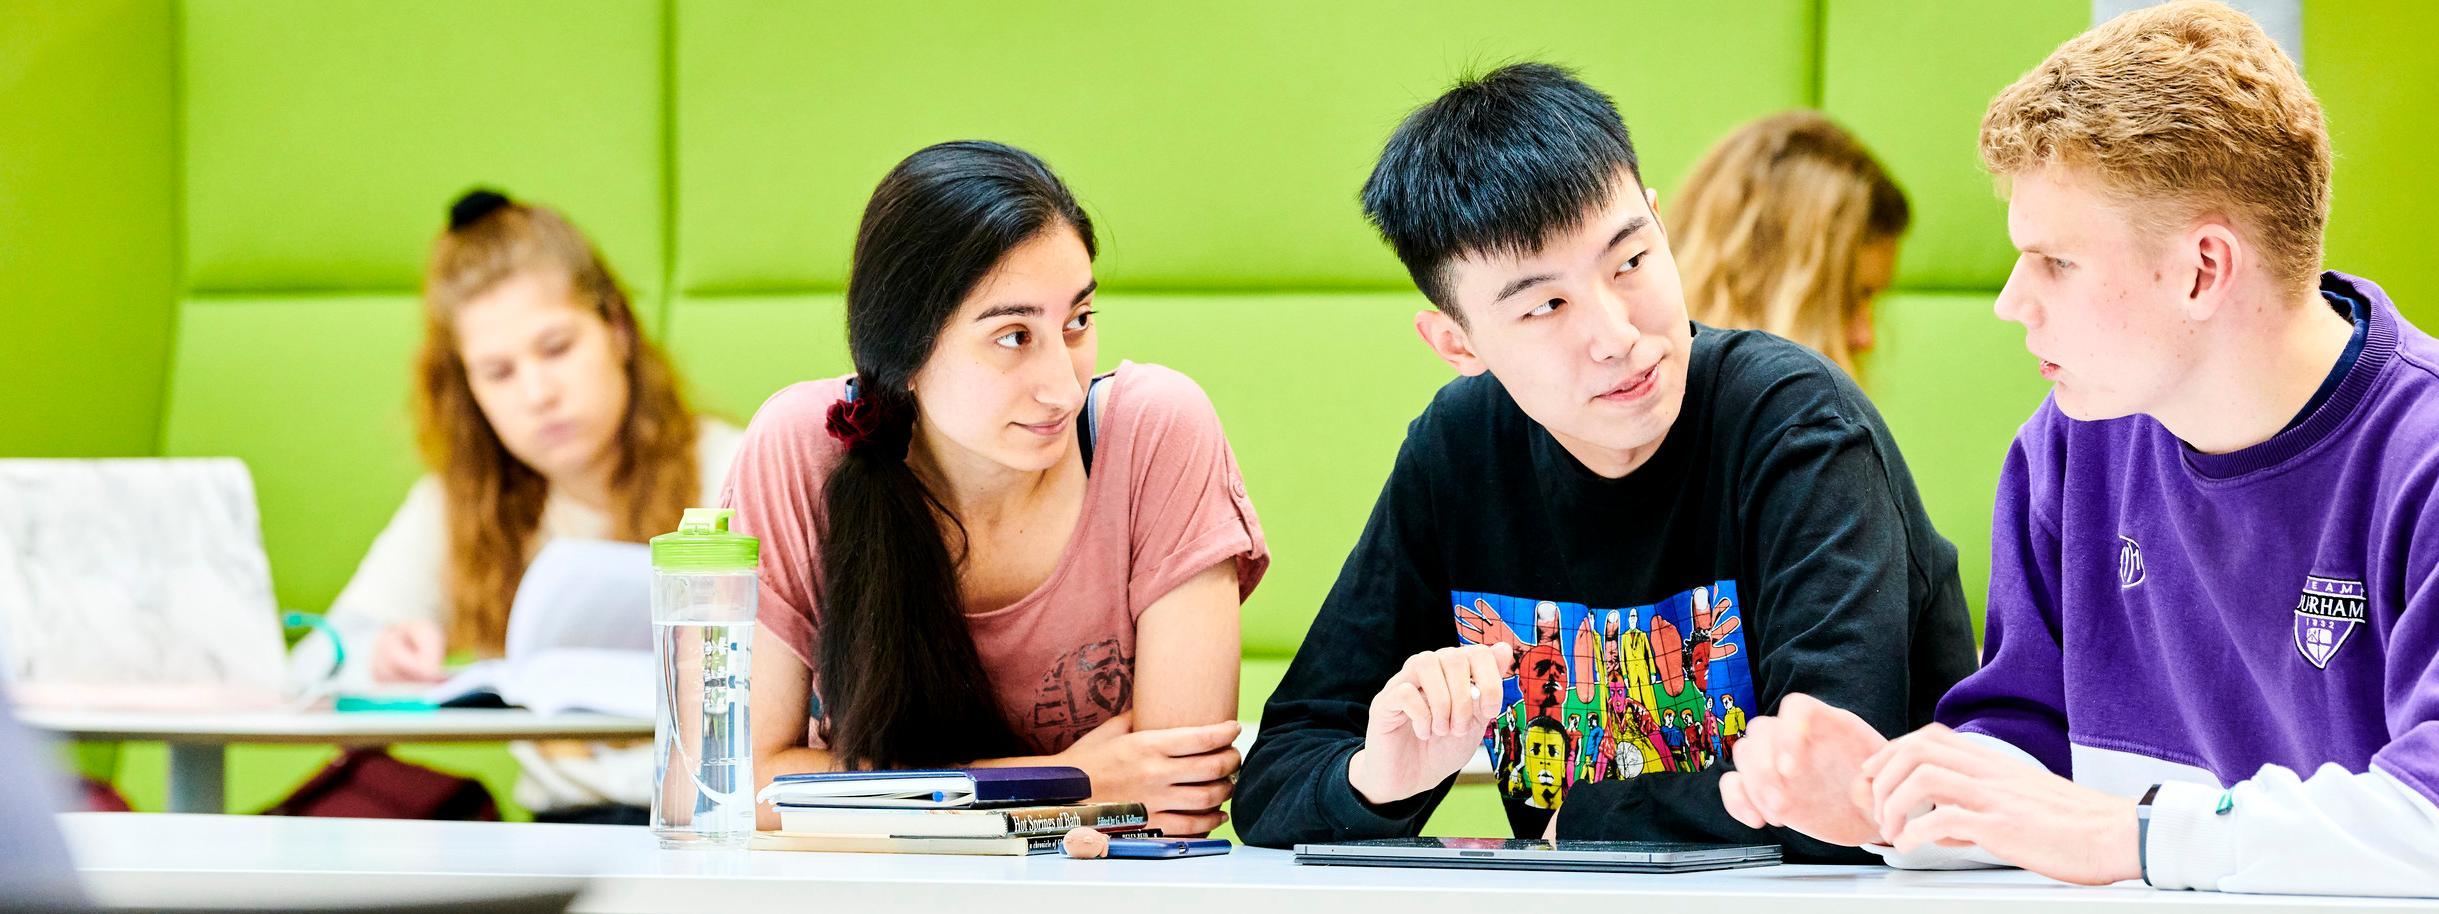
(1610, 540)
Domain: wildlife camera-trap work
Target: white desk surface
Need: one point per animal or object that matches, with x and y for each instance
(368, 728)
(355, 728)
(138, 859)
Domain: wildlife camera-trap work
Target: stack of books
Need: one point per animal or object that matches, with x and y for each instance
(1010, 812)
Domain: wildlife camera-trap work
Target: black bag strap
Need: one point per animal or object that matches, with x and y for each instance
(1088, 432)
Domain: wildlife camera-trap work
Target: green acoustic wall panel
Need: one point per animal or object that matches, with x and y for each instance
(325, 138)
(1913, 80)
(1255, 682)
(260, 776)
(312, 393)
(736, 351)
(1219, 145)
(2370, 62)
(88, 258)
(1471, 811)
(1954, 383)
(1315, 391)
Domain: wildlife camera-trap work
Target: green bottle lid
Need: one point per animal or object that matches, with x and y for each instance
(702, 543)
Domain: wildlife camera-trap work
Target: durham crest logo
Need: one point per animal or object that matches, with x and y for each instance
(2329, 612)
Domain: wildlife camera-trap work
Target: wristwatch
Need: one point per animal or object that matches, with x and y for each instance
(2142, 831)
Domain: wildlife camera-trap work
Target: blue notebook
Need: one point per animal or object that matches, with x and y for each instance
(966, 788)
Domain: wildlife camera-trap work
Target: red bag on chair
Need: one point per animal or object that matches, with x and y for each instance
(369, 784)
(99, 796)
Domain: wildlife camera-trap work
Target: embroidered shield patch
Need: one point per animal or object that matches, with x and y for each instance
(2328, 613)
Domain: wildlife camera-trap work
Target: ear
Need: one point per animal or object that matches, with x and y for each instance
(1651, 198)
(1449, 341)
(2212, 251)
(620, 320)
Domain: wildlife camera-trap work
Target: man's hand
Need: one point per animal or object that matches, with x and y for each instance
(1428, 720)
(1934, 786)
(1798, 770)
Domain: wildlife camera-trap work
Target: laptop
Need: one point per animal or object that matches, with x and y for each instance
(136, 583)
(1524, 854)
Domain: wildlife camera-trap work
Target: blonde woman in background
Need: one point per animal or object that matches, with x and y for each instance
(542, 412)
(1789, 225)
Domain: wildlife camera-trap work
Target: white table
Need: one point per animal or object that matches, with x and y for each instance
(198, 742)
(137, 859)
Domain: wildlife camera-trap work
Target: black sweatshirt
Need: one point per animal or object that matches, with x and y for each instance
(1774, 543)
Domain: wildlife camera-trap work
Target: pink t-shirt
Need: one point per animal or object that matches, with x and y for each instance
(1163, 502)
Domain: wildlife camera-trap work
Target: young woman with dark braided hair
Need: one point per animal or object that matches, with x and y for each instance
(975, 550)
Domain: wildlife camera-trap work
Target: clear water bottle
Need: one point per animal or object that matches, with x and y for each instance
(703, 589)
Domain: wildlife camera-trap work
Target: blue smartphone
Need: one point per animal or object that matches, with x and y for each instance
(1166, 848)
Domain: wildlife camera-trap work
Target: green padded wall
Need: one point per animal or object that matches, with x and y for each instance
(1912, 79)
(2370, 62)
(1315, 412)
(1954, 434)
(325, 138)
(790, 338)
(261, 775)
(88, 258)
(1219, 145)
(312, 393)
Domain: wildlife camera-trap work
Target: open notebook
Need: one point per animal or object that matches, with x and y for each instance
(579, 635)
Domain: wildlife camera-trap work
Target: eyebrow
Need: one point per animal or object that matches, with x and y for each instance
(998, 311)
(1633, 225)
(1522, 283)
(1028, 310)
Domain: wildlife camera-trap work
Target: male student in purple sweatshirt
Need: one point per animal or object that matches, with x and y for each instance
(2214, 597)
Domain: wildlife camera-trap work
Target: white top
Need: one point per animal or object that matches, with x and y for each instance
(403, 578)
(2333, 831)
(137, 860)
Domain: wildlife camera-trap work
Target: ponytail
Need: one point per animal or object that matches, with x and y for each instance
(900, 682)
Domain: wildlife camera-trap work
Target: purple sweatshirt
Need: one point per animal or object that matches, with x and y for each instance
(2160, 615)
